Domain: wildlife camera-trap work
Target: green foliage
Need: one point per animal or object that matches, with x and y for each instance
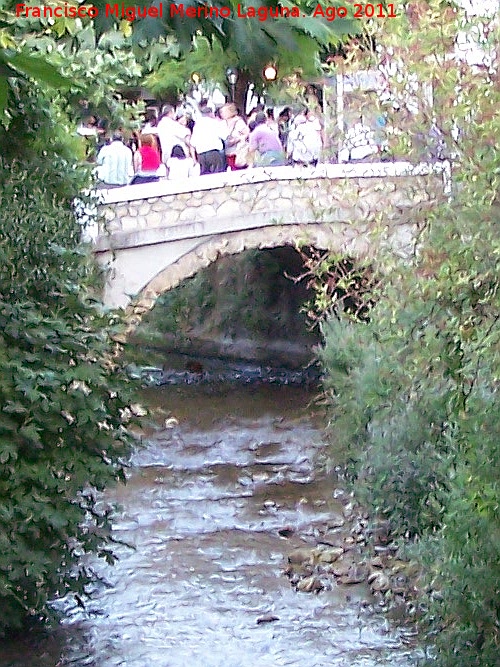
(207, 57)
(22, 64)
(19, 63)
(414, 408)
(209, 45)
(339, 284)
(464, 563)
(397, 444)
(64, 398)
(414, 392)
(61, 439)
(68, 55)
(95, 56)
(247, 296)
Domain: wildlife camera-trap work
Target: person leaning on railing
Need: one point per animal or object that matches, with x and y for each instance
(236, 143)
(265, 144)
(147, 160)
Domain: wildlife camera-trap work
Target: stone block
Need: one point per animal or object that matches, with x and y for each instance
(154, 219)
(109, 214)
(121, 210)
(112, 226)
(168, 218)
(142, 222)
(144, 208)
(202, 213)
(230, 209)
(128, 223)
(159, 205)
(260, 205)
(180, 205)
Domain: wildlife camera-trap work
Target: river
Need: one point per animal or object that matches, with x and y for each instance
(228, 481)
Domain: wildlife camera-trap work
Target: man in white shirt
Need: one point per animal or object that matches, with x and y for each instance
(114, 160)
(209, 134)
(304, 139)
(172, 133)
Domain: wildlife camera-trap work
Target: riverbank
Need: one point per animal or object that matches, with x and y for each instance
(356, 548)
(273, 352)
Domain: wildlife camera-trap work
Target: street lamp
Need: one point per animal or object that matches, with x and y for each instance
(270, 73)
(232, 78)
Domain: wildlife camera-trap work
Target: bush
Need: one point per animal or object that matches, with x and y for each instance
(417, 406)
(65, 400)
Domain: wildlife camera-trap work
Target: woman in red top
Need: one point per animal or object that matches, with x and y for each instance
(146, 160)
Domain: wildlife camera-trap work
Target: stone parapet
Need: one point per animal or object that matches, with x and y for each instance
(347, 208)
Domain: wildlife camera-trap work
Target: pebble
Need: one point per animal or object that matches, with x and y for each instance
(338, 557)
(299, 556)
(310, 585)
(379, 581)
(329, 555)
(355, 575)
(285, 532)
(267, 618)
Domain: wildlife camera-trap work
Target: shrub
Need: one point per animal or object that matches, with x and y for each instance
(64, 398)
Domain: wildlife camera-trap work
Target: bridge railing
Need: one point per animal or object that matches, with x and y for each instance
(262, 174)
(153, 235)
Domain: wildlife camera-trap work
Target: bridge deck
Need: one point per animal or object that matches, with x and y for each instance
(264, 174)
(153, 235)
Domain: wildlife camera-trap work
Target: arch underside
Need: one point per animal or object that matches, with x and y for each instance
(344, 239)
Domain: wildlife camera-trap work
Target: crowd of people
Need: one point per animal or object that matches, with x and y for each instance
(175, 146)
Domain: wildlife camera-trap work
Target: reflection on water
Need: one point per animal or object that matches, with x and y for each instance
(201, 514)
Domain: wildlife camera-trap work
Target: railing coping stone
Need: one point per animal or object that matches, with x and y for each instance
(165, 187)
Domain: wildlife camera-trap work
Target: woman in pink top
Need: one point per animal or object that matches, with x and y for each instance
(146, 160)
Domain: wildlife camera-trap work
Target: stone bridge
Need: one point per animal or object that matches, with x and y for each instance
(152, 236)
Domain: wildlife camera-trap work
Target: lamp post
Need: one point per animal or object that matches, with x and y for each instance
(232, 78)
(270, 72)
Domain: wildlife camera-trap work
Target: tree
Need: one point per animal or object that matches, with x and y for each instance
(207, 45)
(17, 62)
(118, 51)
(65, 400)
(414, 391)
(67, 55)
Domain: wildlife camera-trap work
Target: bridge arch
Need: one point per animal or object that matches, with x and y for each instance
(210, 250)
(153, 236)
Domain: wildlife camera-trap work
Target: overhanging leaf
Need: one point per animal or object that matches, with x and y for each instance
(39, 69)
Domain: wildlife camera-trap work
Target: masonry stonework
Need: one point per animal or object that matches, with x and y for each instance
(153, 236)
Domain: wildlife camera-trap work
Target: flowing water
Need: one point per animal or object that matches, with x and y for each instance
(226, 484)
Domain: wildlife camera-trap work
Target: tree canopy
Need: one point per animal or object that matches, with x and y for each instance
(111, 52)
(66, 403)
